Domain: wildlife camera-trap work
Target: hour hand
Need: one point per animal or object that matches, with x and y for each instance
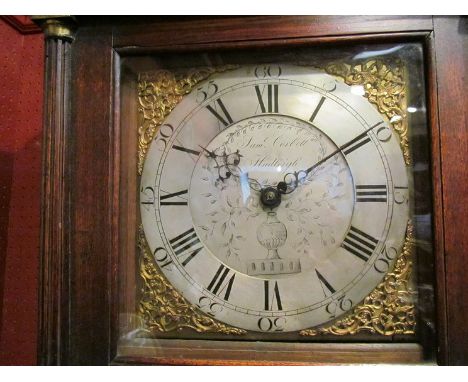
(227, 165)
(211, 154)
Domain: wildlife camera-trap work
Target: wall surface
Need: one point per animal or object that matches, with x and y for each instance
(21, 98)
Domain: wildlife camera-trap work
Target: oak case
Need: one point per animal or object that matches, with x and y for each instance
(90, 148)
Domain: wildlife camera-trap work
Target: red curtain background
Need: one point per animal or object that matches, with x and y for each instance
(21, 100)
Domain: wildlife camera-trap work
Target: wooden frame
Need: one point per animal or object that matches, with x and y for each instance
(82, 216)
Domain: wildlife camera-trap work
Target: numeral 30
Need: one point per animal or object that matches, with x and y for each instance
(271, 324)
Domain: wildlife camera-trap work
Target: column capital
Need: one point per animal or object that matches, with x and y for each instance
(57, 27)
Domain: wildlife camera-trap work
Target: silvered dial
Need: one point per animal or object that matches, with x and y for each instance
(269, 198)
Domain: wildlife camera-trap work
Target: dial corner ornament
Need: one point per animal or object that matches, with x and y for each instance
(273, 199)
(388, 310)
(163, 309)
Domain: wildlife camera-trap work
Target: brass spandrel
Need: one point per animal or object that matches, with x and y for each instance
(385, 87)
(163, 309)
(388, 309)
(159, 93)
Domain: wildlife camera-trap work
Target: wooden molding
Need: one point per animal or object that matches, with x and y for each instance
(451, 47)
(23, 24)
(176, 352)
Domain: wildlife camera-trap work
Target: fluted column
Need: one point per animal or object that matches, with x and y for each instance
(54, 276)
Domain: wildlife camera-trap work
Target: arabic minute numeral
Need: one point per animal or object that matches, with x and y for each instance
(387, 255)
(400, 194)
(147, 197)
(271, 324)
(207, 304)
(206, 91)
(267, 71)
(164, 134)
(161, 256)
(383, 133)
(338, 306)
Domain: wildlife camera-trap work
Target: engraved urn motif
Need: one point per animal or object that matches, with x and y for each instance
(272, 234)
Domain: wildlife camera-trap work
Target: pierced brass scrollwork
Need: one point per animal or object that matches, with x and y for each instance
(385, 87)
(158, 93)
(163, 309)
(388, 310)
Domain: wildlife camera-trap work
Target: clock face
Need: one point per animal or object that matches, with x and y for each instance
(274, 198)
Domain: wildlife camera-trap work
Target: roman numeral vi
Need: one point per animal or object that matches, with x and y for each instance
(272, 295)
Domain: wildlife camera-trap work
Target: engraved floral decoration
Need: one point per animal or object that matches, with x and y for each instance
(385, 87)
(388, 309)
(229, 215)
(230, 211)
(298, 208)
(229, 208)
(163, 309)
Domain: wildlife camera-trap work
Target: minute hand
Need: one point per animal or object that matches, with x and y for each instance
(343, 148)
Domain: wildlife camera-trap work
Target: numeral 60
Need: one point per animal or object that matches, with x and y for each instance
(267, 71)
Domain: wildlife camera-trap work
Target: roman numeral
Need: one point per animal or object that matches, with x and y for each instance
(225, 118)
(359, 244)
(184, 149)
(184, 242)
(221, 282)
(355, 143)
(324, 283)
(172, 202)
(272, 295)
(272, 98)
(371, 193)
(314, 114)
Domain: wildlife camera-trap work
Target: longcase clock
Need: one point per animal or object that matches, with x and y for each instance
(253, 184)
